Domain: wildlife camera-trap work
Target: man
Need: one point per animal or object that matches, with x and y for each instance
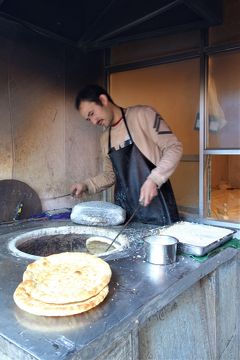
(140, 153)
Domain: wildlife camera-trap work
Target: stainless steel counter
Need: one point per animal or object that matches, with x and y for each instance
(137, 290)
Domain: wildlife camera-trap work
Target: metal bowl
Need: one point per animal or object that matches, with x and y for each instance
(160, 249)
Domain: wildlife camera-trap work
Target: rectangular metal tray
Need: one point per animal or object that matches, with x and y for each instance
(203, 250)
(194, 249)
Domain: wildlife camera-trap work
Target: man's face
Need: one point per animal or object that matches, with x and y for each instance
(97, 114)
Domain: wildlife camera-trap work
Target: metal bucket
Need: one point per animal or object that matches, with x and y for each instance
(160, 249)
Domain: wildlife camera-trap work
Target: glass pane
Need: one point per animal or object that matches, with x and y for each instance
(224, 188)
(185, 183)
(172, 89)
(229, 31)
(224, 101)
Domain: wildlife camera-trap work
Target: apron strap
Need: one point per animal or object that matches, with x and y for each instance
(125, 122)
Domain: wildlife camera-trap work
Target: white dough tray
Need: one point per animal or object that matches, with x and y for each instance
(197, 239)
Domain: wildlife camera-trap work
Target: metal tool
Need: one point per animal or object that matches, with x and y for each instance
(62, 196)
(124, 227)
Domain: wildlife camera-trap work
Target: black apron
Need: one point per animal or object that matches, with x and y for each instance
(132, 168)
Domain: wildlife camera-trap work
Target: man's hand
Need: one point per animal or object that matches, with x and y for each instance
(78, 189)
(148, 192)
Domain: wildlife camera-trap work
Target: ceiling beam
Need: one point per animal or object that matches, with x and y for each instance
(211, 11)
(139, 20)
(197, 25)
(90, 33)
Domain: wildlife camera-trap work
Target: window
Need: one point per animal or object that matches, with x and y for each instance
(222, 139)
(223, 105)
(223, 201)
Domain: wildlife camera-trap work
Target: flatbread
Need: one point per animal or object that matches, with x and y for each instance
(25, 302)
(66, 277)
(98, 245)
(48, 324)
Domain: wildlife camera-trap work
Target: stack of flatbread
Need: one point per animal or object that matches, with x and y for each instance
(63, 284)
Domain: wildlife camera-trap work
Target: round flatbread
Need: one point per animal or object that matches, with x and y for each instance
(98, 245)
(25, 302)
(66, 277)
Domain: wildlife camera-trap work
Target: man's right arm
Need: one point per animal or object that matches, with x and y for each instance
(98, 183)
(103, 180)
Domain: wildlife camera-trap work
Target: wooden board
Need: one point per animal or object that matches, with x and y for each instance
(14, 192)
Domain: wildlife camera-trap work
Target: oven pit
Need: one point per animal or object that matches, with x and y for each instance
(47, 241)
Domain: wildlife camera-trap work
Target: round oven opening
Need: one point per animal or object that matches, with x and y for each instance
(44, 242)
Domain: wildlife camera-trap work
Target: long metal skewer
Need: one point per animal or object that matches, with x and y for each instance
(62, 196)
(124, 227)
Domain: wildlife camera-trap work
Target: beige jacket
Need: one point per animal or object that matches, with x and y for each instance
(151, 135)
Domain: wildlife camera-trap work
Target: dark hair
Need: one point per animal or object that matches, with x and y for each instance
(91, 93)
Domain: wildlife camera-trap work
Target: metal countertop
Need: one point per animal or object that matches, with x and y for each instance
(137, 290)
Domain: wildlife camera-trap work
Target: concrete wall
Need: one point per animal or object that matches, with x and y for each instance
(43, 141)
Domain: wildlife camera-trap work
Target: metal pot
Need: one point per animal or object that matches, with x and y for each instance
(160, 249)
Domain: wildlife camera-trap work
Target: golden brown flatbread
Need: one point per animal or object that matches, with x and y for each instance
(66, 278)
(25, 302)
